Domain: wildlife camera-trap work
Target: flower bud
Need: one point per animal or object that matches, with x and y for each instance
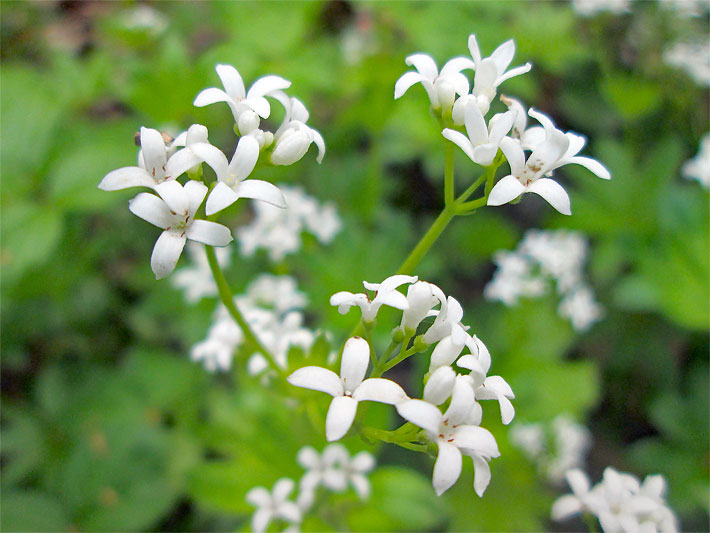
(445, 93)
(248, 122)
(292, 145)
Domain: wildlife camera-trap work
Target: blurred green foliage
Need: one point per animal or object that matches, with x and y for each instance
(106, 423)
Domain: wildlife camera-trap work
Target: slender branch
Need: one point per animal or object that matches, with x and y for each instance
(225, 294)
(449, 188)
(427, 241)
(401, 357)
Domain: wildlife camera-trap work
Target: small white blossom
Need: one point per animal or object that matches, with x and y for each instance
(441, 87)
(693, 58)
(246, 107)
(698, 168)
(174, 212)
(273, 505)
(513, 279)
(294, 137)
(197, 280)
(580, 307)
(455, 435)
(385, 294)
(588, 8)
(144, 17)
(349, 388)
(560, 254)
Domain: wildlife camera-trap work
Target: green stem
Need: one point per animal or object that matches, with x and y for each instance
(427, 241)
(449, 174)
(401, 357)
(225, 294)
(475, 185)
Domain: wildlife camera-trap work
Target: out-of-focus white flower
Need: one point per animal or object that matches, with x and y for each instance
(580, 307)
(481, 142)
(294, 137)
(144, 18)
(197, 280)
(278, 292)
(513, 279)
(174, 212)
(619, 501)
(686, 8)
(560, 254)
(693, 58)
(273, 505)
(334, 469)
(455, 436)
(441, 87)
(588, 8)
(231, 184)
(491, 71)
(349, 388)
(385, 294)
(279, 230)
(698, 168)
(246, 107)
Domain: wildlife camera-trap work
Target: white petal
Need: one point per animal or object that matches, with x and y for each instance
(152, 209)
(353, 365)
(166, 253)
(267, 84)
(244, 158)
(261, 518)
(154, 152)
(174, 196)
(126, 177)
(393, 299)
(260, 105)
(424, 64)
(282, 488)
(197, 133)
(578, 481)
(503, 55)
(445, 353)
(317, 378)
(485, 154)
(553, 192)
(262, 190)
(180, 162)
(362, 485)
(475, 125)
(474, 49)
(258, 497)
(591, 164)
(231, 81)
(420, 413)
(211, 96)
(482, 474)
(460, 140)
(222, 196)
(476, 440)
(391, 283)
(506, 190)
(308, 458)
(320, 143)
(517, 71)
(500, 125)
(345, 300)
(362, 462)
(214, 157)
(290, 512)
(447, 468)
(455, 66)
(459, 81)
(380, 390)
(439, 386)
(341, 414)
(486, 75)
(195, 191)
(462, 400)
(514, 154)
(565, 507)
(209, 233)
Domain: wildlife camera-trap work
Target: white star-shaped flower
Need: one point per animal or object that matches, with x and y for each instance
(455, 436)
(174, 212)
(231, 182)
(441, 87)
(349, 388)
(386, 294)
(273, 505)
(246, 107)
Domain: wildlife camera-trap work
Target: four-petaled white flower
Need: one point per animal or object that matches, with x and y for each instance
(273, 505)
(231, 184)
(294, 137)
(481, 142)
(491, 71)
(349, 388)
(455, 435)
(386, 294)
(174, 212)
(441, 87)
(153, 168)
(246, 107)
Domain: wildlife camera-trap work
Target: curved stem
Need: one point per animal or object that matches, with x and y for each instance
(427, 241)
(225, 294)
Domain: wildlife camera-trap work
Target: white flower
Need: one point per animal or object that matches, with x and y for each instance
(560, 254)
(693, 57)
(231, 184)
(197, 280)
(185, 159)
(454, 435)
(246, 107)
(385, 295)
(422, 296)
(491, 71)
(152, 166)
(174, 212)
(278, 292)
(698, 168)
(349, 388)
(447, 323)
(482, 142)
(588, 8)
(294, 137)
(441, 87)
(513, 279)
(333, 469)
(273, 505)
(143, 17)
(580, 307)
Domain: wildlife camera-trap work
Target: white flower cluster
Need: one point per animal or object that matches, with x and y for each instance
(549, 148)
(539, 257)
(455, 432)
(619, 501)
(333, 470)
(161, 161)
(555, 448)
(272, 306)
(279, 230)
(693, 58)
(698, 168)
